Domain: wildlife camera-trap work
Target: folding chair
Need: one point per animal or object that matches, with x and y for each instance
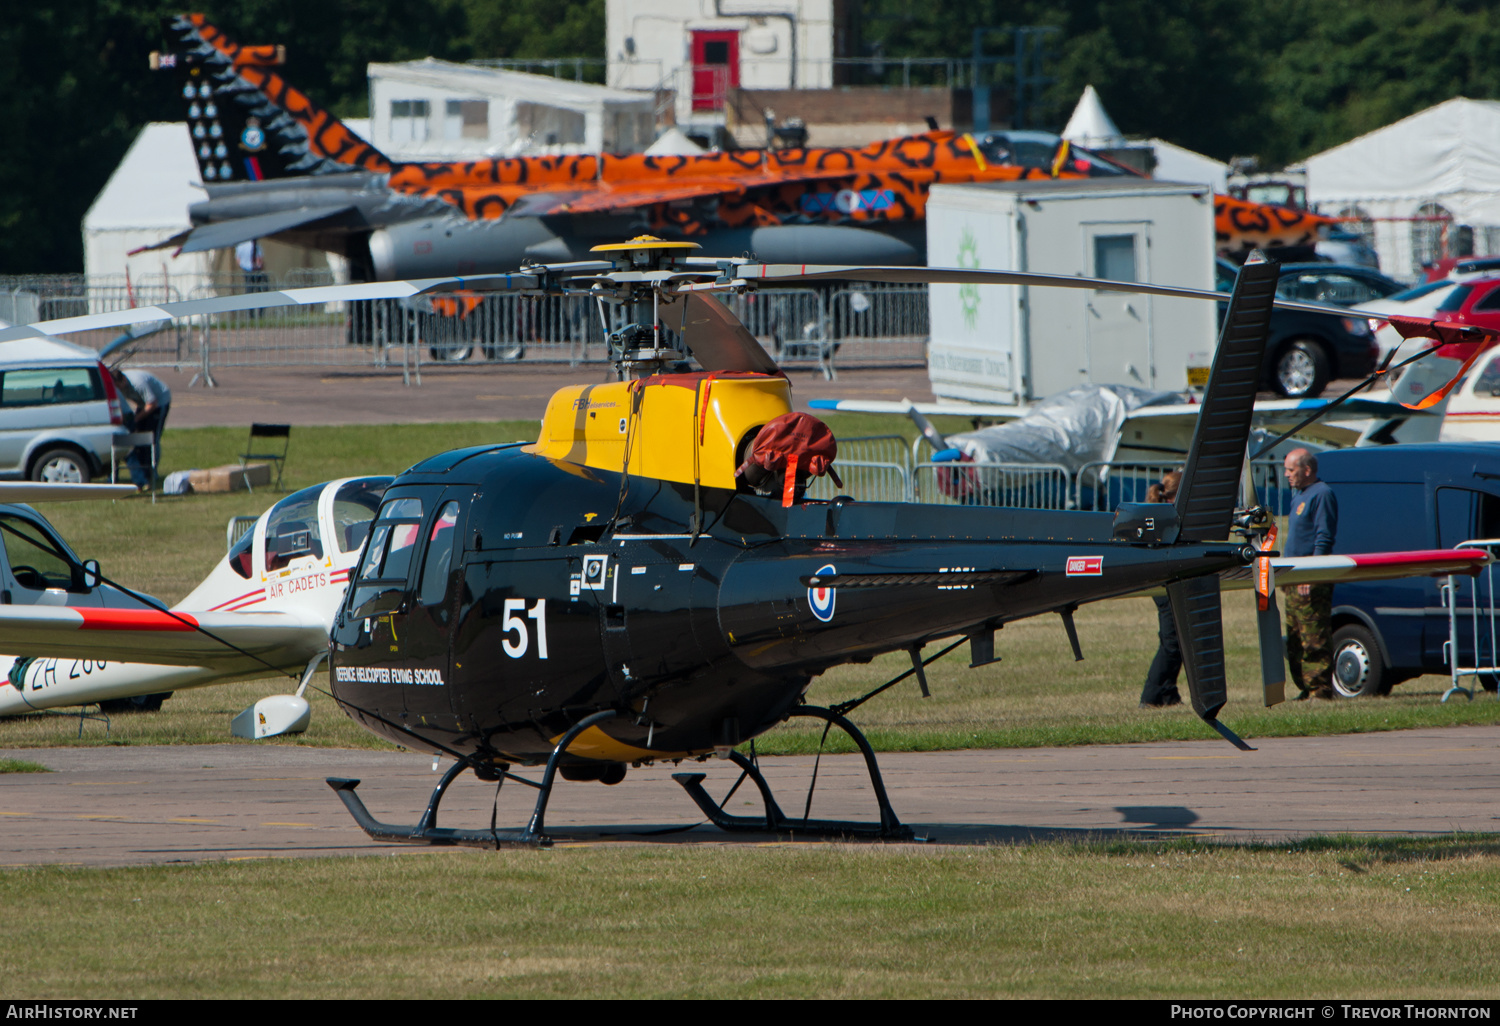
(266, 431)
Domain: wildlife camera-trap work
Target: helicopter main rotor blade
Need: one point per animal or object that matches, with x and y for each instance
(224, 304)
(752, 275)
(717, 339)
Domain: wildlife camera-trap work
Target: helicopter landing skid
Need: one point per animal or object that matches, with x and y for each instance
(777, 822)
(427, 831)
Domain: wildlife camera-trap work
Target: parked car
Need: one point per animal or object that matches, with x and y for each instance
(1396, 498)
(1458, 268)
(1418, 301)
(1473, 411)
(1340, 246)
(1339, 284)
(1305, 351)
(60, 414)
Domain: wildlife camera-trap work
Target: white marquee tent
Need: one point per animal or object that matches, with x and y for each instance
(1428, 185)
(146, 200)
(1091, 126)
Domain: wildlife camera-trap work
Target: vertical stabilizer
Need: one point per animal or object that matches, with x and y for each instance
(1211, 480)
(1210, 488)
(246, 123)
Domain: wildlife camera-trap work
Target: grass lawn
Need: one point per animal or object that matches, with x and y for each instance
(1331, 919)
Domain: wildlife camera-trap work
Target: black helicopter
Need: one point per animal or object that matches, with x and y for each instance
(648, 582)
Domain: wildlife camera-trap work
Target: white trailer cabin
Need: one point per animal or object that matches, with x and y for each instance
(1012, 344)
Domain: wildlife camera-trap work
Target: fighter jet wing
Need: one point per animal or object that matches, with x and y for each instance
(624, 195)
(230, 642)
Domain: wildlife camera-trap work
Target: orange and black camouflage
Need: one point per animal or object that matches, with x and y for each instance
(884, 182)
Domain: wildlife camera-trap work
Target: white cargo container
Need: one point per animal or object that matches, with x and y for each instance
(1013, 344)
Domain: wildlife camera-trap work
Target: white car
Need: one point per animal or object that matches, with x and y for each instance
(1419, 301)
(61, 418)
(1474, 407)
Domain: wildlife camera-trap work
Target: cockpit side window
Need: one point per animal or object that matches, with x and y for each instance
(292, 529)
(439, 556)
(239, 556)
(354, 506)
(36, 561)
(387, 557)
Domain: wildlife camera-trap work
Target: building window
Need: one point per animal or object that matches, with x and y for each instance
(409, 121)
(541, 125)
(1114, 257)
(467, 119)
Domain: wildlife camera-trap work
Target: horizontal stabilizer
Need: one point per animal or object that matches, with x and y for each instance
(232, 233)
(1366, 566)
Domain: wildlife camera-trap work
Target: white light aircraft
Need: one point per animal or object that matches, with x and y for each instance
(265, 608)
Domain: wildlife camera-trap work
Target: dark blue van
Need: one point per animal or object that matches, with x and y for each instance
(1402, 498)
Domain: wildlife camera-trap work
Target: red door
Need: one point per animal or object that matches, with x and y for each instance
(716, 68)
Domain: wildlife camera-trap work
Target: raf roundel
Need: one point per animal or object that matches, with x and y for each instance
(821, 599)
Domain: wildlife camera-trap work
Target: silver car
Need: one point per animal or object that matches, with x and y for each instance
(61, 418)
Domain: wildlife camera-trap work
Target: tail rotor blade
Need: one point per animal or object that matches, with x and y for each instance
(1268, 625)
(1272, 653)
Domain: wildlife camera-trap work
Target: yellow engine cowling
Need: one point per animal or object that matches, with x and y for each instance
(680, 427)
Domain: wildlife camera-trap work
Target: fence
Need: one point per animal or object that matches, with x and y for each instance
(1480, 659)
(875, 468)
(884, 468)
(810, 327)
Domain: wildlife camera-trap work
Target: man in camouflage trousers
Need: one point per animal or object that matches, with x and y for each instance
(1309, 607)
(1309, 649)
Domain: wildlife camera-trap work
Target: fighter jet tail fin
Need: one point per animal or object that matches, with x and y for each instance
(246, 122)
(1211, 480)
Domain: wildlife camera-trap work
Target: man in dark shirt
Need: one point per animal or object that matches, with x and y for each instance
(1309, 607)
(1161, 679)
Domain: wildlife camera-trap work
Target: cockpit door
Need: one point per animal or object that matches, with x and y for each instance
(403, 602)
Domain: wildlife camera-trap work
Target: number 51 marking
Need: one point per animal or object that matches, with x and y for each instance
(517, 623)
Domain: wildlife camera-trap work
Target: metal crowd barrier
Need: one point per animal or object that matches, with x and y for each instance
(879, 324)
(811, 327)
(792, 324)
(1101, 487)
(1481, 659)
(1022, 485)
(1096, 487)
(874, 469)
